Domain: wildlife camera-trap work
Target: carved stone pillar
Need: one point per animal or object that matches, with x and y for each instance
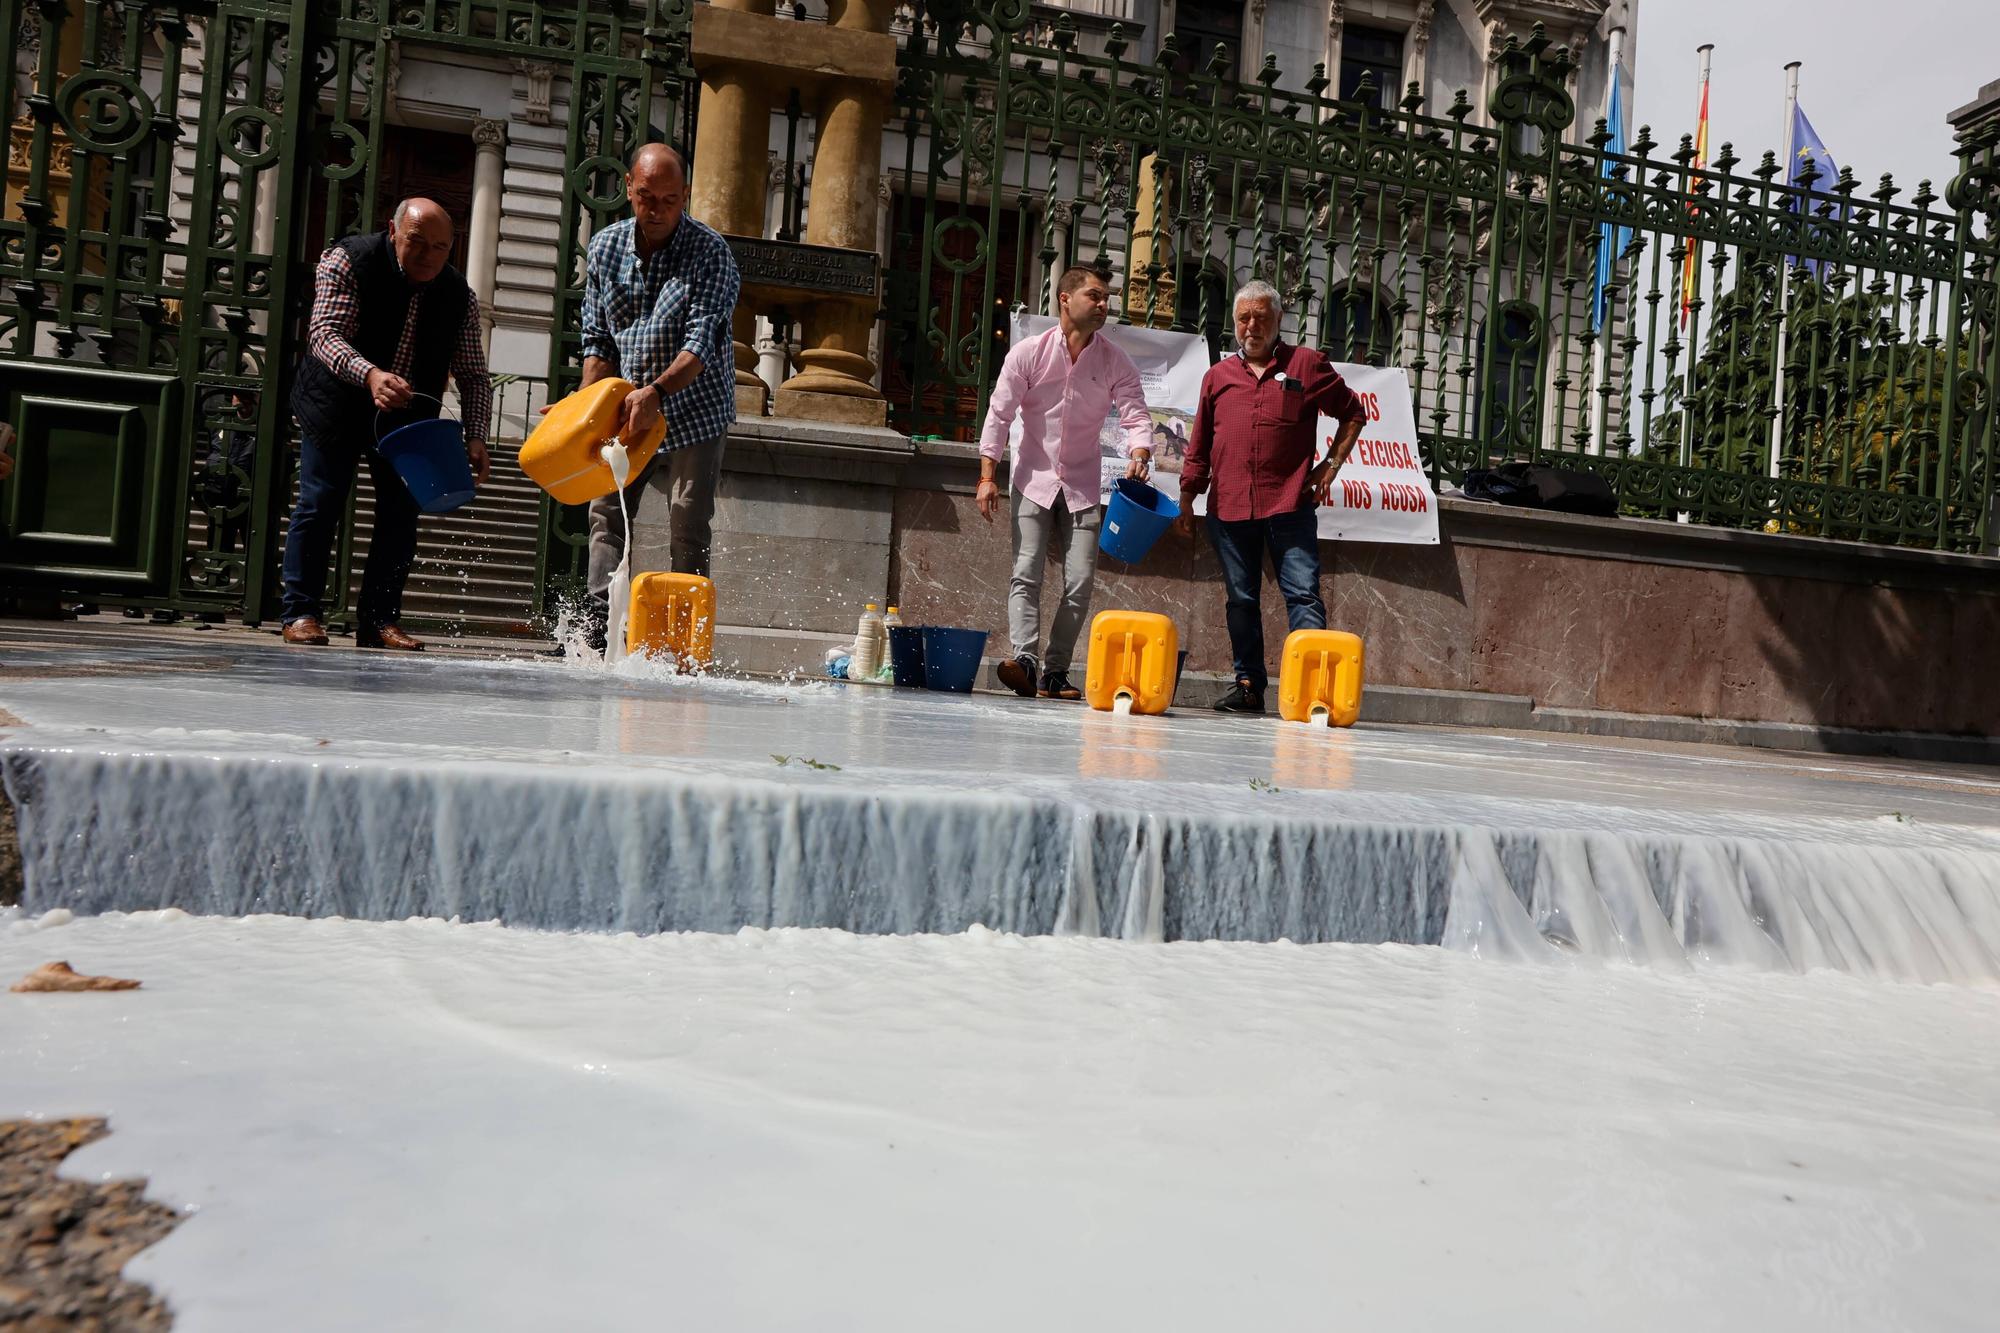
(845, 169)
(731, 174)
(837, 379)
(537, 89)
(482, 237)
(773, 345)
(1253, 40)
(1336, 26)
(1417, 70)
(1149, 296)
(749, 63)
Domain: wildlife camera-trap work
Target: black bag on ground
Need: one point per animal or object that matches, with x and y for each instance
(1538, 486)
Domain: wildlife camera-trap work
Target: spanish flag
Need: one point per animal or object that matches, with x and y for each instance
(1690, 267)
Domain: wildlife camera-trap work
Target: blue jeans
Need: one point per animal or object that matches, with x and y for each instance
(326, 475)
(1293, 540)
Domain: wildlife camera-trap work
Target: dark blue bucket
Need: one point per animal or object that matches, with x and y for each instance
(430, 458)
(1137, 516)
(906, 655)
(951, 658)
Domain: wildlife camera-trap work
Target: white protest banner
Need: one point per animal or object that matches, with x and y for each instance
(1170, 367)
(1382, 493)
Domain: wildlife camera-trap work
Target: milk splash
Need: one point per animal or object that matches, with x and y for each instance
(620, 462)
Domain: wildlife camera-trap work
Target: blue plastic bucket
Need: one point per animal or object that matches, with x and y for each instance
(951, 658)
(430, 458)
(906, 655)
(1137, 516)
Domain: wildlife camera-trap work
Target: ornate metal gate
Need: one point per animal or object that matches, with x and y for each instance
(169, 165)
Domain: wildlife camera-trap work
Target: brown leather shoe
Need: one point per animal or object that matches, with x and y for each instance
(388, 636)
(305, 630)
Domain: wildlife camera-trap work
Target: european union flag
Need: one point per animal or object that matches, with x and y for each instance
(1806, 147)
(1611, 241)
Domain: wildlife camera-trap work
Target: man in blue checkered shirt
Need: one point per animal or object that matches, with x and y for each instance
(658, 294)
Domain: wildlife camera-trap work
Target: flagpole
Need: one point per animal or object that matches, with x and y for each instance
(1785, 270)
(1601, 370)
(1691, 271)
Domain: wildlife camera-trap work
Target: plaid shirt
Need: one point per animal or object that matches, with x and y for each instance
(336, 320)
(639, 314)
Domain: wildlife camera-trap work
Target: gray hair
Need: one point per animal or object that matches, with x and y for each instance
(1258, 290)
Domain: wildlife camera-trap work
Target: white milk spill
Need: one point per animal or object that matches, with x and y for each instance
(620, 593)
(427, 1126)
(635, 799)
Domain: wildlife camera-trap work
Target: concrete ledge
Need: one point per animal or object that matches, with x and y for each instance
(792, 653)
(797, 435)
(1695, 546)
(756, 651)
(1929, 747)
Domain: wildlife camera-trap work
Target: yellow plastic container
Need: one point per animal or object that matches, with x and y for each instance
(672, 615)
(1133, 655)
(565, 454)
(1321, 677)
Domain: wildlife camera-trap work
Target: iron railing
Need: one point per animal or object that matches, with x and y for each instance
(173, 170)
(1463, 247)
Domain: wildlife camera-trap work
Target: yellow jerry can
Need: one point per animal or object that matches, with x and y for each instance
(1321, 678)
(1133, 656)
(565, 454)
(672, 615)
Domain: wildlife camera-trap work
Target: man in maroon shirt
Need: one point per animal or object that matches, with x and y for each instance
(1252, 447)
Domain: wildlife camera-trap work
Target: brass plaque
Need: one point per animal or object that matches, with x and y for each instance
(806, 268)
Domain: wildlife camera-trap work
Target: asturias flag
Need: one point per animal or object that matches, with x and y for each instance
(1611, 241)
(1690, 267)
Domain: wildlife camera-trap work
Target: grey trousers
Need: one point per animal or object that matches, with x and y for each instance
(1070, 538)
(689, 476)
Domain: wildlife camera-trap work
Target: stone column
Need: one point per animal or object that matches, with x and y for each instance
(773, 354)
(843, 213)
(837, 379)
(772, 345)
(1417, 70)
(482, 237)
(1148, 248)
(731, 173)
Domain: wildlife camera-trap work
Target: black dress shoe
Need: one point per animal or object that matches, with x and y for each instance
(1055, 685)
(1241, 699)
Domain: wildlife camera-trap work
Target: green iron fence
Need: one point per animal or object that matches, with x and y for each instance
(173, 171)
(1815, 359)
(173, 168)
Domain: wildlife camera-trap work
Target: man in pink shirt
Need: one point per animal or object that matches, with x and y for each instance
(1061, 384)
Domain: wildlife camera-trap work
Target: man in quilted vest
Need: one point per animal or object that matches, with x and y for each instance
(391, 320)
